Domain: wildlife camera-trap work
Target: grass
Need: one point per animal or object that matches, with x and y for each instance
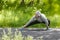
(16, 13)
(17, 18)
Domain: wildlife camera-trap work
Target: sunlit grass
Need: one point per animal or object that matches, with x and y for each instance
(18, 18)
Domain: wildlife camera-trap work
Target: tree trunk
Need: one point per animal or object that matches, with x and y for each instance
(22, 3)
(31, 3)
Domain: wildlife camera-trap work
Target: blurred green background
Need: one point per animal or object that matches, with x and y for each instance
(15, 13)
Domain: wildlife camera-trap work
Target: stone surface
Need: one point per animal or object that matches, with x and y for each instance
(51, 34)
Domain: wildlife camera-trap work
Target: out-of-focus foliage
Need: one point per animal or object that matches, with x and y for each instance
(15, 13)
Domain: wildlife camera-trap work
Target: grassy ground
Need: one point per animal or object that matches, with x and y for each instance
(17, 18)
(15, 14)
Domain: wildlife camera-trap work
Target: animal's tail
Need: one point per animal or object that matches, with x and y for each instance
(48, 22)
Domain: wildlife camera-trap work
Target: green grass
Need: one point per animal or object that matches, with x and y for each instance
(13, 14)
(17, 18)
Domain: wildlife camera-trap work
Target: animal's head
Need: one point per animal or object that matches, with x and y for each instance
(37, 14)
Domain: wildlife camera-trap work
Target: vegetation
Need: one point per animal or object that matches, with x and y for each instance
(15, 13)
